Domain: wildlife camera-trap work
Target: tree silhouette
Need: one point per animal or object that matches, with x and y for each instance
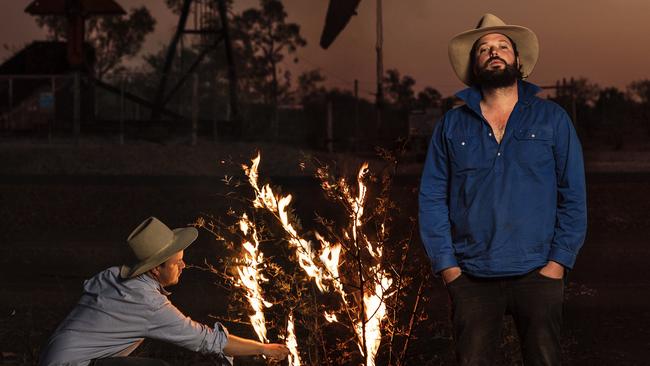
(640, 90)
(309, 86)
(613, 108)
(113, 37)
(265, 37)
(400, 89)
(429, 98)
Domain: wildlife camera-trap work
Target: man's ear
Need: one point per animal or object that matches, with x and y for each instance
(155, 271)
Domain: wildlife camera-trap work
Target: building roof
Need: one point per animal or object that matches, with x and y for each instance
(62, 7)
(42, 58)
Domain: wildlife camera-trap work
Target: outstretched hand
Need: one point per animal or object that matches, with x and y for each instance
(275, 351)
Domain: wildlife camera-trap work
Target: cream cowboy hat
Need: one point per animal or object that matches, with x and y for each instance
(461, 45)
(153, 243)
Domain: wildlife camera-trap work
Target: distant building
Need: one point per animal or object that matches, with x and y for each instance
(35, 90)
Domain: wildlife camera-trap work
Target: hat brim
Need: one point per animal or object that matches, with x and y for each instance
(183, 237)
(461, 45)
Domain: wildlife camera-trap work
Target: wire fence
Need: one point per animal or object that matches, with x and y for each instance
(75, 106)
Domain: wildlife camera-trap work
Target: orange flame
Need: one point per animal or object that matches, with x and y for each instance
(375, 307)
(278, 205)
(373, 298)
(293, 358)
(250, 278)
(328, 273)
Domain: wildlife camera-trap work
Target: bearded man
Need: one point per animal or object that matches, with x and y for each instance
(502, 203)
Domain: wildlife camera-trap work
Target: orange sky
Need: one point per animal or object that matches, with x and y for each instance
(604, 40)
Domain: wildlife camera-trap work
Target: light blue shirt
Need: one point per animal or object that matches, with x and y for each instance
(114, 316)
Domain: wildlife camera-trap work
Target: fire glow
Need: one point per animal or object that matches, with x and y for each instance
(250, 278)
(292, 343)
(322, 265)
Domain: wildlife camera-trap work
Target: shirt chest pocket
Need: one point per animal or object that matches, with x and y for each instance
(465, 153)
(533, 146)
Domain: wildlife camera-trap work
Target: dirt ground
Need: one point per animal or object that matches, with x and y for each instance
(65, 211)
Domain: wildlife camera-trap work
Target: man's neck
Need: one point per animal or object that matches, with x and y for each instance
(500, 98)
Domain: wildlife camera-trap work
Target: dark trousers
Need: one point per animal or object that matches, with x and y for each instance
(478, 307)
(128, 361)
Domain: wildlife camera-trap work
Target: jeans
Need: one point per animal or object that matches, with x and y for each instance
(478, 307)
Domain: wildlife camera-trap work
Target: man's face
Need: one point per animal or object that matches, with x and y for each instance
(169, 272)
(495, 62)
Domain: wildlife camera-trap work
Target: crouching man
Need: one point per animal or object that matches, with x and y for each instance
(121, 306)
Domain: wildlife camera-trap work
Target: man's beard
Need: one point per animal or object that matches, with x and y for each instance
(500, 78)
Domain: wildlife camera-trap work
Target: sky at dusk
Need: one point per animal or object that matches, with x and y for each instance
(603, 40)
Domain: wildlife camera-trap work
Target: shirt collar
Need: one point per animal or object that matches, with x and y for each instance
(472, 96)
(153, 282)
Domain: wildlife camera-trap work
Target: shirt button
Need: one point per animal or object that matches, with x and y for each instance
(490, 134)
(533, 135)
(498, 154)
(463, 143)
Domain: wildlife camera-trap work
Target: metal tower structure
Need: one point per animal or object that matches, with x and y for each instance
(201, 11)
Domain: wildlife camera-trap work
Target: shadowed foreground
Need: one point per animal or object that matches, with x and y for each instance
(57, 230)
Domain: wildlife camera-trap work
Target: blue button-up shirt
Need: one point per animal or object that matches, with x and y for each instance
(113, 317)
(503, 209)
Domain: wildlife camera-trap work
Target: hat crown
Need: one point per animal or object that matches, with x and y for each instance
(489, 20)
(461, 45)
(149, 238)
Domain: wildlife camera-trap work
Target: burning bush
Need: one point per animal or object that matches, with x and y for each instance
(345, 283)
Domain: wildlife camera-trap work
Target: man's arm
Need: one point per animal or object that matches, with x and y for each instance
(571, 214)
(237, 346)
(167, 323)
(434, 209)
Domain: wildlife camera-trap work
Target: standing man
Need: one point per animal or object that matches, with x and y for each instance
(121, 306)
(502, 199)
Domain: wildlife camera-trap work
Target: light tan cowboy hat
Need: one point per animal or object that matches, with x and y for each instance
(153, 243)
(461, 45)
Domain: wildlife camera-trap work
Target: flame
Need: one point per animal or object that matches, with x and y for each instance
(250, 278)
(326, 273)
(330, 317)
(304, 249)
(375, 308)
(373, 298)
(329, 256)
(293, 358)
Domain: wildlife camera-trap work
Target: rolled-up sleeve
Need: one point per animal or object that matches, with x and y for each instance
(433, 204)
(571, 217)
(168, 324)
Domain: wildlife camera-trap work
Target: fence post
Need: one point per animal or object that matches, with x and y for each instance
(77, 107)
(195, 108)
(357, 133)
(215, 117)
(122, 110)
(51, 121)
(330, 127)
(11, 103)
